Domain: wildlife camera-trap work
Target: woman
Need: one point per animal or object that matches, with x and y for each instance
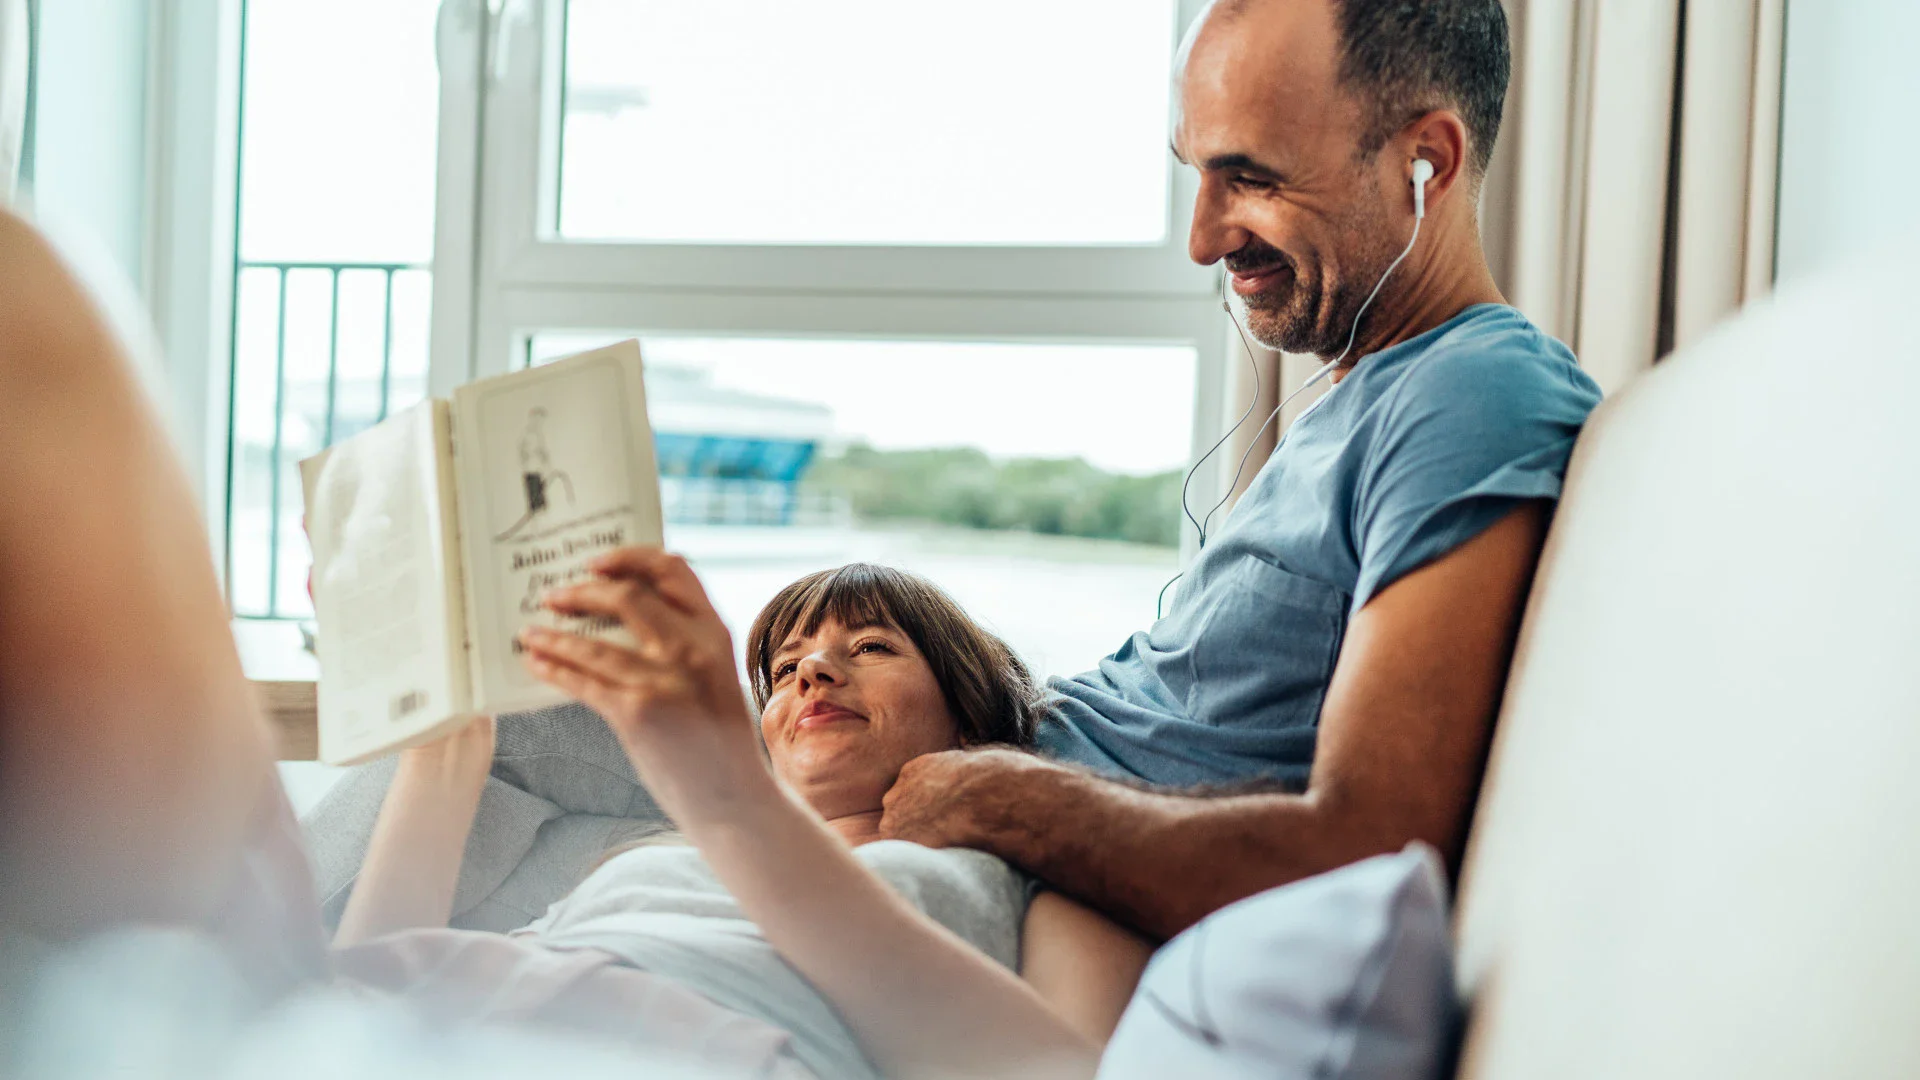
(118, 677)
(791, 912)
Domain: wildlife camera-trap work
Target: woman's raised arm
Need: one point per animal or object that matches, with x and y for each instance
(413, 861)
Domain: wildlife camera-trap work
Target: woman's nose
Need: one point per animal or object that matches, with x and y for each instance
(815, 669)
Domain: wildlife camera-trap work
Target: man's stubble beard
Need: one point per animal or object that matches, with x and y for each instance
(1316, 317)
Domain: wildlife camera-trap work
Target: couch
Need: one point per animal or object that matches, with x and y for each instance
(1694, 854)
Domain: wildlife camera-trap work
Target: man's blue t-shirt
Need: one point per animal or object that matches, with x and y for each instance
(1419, 449)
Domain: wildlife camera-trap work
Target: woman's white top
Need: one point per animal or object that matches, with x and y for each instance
(662, 910)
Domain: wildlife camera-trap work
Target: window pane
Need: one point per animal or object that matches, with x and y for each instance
(331, 304)
(1037, 483)
(338, 156)
(1845, 188)
(867, 121)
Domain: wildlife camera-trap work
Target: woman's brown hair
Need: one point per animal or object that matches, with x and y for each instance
(989, 691)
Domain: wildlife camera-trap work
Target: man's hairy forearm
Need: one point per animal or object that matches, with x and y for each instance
(1162, 860)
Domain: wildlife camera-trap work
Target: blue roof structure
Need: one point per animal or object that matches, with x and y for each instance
(732, 457)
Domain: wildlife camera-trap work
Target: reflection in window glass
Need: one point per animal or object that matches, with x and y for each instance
(867, 121)
(1039, 483)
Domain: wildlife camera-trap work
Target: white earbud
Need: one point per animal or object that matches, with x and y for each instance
(1422, 172)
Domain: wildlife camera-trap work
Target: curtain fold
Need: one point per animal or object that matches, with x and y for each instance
(1629, 135)
(1730, 147)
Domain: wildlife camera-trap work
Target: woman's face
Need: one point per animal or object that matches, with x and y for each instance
(850, 707)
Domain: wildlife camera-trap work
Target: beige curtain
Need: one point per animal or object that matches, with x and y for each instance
(1610, 228)
(1614, 229)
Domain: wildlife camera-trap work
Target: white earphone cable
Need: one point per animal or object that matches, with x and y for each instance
(1353, 336)
(1327, 369)
(1252, 363)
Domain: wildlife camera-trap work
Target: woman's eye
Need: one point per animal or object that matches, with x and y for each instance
(784, 669)
(869, 646)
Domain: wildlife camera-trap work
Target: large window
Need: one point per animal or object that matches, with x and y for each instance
(910, 278)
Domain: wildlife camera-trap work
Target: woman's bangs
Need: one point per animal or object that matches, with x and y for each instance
(852, 596)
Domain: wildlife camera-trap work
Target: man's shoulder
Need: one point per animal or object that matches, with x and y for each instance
(1496, 365)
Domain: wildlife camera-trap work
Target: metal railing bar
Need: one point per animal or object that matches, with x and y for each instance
(386, 351)
(333, 360)
(254, 264)
(279, 418)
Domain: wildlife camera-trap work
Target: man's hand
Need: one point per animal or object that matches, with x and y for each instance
(948, 799)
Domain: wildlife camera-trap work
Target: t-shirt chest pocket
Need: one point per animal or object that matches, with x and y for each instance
(1267, 648)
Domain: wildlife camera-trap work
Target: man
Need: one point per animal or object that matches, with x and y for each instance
(1346, 634)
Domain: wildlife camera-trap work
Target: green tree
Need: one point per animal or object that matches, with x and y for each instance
(1061, 497)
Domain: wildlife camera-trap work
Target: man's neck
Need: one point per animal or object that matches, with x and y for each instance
(1435, 290)
(857, 829)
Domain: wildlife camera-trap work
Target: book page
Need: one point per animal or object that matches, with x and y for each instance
(556, 466)
(386, 589)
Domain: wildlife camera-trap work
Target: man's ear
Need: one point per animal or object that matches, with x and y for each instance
(1441, 138)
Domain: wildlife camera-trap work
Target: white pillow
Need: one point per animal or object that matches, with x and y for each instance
(1345, 975)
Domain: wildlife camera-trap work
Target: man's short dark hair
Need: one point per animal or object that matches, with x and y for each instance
(1405, 58)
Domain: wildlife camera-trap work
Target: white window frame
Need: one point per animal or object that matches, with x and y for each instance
(192, 138)
(500, 275)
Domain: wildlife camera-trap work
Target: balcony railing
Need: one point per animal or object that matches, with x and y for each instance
(320, 351)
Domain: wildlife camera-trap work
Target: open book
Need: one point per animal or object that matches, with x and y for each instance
(436, 532)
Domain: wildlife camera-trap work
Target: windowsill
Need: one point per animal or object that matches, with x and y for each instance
(270, 652)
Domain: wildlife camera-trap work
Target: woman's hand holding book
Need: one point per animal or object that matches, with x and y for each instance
(673, 698)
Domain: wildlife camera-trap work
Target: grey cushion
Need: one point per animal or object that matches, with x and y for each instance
(1348, 975)
(561, 793)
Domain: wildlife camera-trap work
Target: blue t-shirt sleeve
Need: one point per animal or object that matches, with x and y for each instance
(1480, 426)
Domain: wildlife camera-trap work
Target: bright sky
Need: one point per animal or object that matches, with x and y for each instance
(342, 114)
(869, 121)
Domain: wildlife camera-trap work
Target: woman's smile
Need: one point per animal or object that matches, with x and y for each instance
(821, 713)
